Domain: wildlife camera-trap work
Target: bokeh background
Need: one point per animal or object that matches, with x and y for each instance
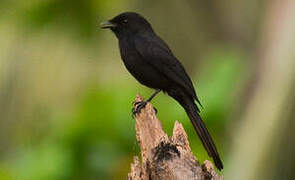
(66, 97)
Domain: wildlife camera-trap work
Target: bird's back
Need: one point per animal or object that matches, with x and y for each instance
(156, 53)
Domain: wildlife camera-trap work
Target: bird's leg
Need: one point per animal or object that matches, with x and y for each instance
(140, 105)
(153, 95)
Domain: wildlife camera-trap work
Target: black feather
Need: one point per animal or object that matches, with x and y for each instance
(149, 59)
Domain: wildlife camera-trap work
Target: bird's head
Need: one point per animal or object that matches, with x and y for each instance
(127, 24)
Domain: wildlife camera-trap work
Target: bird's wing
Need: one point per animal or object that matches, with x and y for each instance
(155, 52)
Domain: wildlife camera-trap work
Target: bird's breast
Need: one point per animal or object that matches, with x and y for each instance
(129, 55)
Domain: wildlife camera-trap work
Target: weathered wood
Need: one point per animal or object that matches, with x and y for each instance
(163, 157)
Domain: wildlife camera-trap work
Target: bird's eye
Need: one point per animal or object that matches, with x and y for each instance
(125, 21)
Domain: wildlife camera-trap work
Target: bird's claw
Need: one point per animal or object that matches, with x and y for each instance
(138, 106)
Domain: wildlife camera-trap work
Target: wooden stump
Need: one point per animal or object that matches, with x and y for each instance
(163, 157)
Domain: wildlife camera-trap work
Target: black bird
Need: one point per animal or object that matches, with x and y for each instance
(149, 59)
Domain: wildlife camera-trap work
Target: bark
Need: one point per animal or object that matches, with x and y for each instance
(163, 157)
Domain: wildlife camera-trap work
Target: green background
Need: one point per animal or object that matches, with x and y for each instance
(66, 97)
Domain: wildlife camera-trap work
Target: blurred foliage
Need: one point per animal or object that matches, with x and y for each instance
(66, 98)
(98, 135)
(76, 15)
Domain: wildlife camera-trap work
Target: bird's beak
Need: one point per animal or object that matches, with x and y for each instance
(107, 24)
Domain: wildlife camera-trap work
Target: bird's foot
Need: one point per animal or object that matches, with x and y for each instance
(138, 106)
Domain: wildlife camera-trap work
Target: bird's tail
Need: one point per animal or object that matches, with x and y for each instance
(202, 131)
(200, 127)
